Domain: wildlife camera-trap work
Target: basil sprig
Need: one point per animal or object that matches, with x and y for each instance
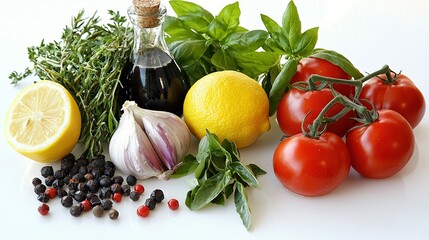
(202, 43)
(219, 174)
(289, 41)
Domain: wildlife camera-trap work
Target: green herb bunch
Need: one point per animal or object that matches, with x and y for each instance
(219, 174)
(87, 62)
(202, 43)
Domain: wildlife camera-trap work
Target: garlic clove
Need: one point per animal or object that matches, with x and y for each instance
(168, 134)
(131, 150)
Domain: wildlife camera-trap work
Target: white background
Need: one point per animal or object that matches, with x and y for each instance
(370, 33)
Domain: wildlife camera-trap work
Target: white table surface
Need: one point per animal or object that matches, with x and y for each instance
(370, 33)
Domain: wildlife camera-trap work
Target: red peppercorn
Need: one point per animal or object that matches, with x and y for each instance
(143, 211)
(139, 188)
(43, 209)
(51, 193)
(117, 197)
(173, 204)
(85, 205)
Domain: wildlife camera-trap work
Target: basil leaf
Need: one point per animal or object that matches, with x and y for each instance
(256, 170)
(229, 16)
(276, 33)
(186, 167)
(307, 42)
(253, 63)
(229, 190)
(210, 189)
(242, 205)
(338, 60)
(246, 41)
(292, 25)
(281, 83)
(218, 163)
(196, 69)
(223, 61)
(231, 147)
(217, 30)
(220, 199)
(176, 30)
(192, 15)
(188, 49)
(202, 167)
(245, 174)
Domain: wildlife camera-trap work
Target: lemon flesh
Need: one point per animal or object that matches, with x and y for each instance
(229, 104)
(43, 122)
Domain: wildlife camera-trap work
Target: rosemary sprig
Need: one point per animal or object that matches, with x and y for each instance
(87, 61)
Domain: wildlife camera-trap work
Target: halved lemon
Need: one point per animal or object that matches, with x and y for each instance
(43, 122)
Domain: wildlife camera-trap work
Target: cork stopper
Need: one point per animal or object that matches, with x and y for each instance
(147, 11)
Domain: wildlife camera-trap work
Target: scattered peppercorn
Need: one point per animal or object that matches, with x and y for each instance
(67, 162)
(126, 190)
(113, 214)
(85, 205)
(134, 196)
(131, 180)
(49, 180)
(117, 197)
(98, 211)
(47, 171)
(39, 188)
(173, 204)
(79, 196)
(75, 211)
(61, 193)
(150, 203)
(105, 181)
(105, 193)
(67, 201)
(157, 195)
(42, 197)
(60, 174)
(51, 193)
(107, 204)
(58, 183)
(93, 185)
(116, 188)
(43, 209)
(36, 181)
(95, 200)
(143, 211)
(139, 188)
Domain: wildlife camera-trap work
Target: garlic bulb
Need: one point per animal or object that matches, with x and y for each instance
(148, 143)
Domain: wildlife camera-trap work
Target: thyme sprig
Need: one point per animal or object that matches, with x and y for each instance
(87, 61)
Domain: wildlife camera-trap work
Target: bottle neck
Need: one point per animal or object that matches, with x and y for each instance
(148, 31)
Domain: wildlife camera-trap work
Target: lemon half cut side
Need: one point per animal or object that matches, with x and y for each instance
(43, 122)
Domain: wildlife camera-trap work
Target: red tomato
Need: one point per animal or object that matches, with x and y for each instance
(296, 104)
(383, 148)
(308, 66)
(402, 96)
(311, 167)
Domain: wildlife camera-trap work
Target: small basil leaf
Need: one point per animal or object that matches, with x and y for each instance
(247, 41)
(223, 61)
(253, 63)
(281, 83)
(188, 49)
(307, 42)
(242, 205)
(192, 14)
(292, 24)
(272, 46)
(217, 30)
(202, 167)
(176, 30)
(220, 199)
(339, 60)
(219, 163)
(276, 33)
(209, 190)
(231, 147)
(186, 167)
(256, 169)
(229, 190)
(229, 16)
(245, 174)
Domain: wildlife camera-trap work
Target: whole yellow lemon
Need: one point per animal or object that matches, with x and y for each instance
(229, 104)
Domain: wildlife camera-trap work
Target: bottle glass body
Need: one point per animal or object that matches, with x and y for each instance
(152, 78)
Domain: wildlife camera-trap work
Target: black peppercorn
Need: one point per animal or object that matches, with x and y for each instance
(116, 188)
(60, 174)
(157, 195)
(49, 180)
(98, 211)
(61, 193)
(79, 195)
(95, 200)
(42, 197)
(97, 173)
(134, 196)
(81, 162)
(36, 181)
(83, 170)
(47, 171)
(150, 203)
(97, 162)
(92, 185)
(74, 170)
(40, 188)
(66, 201)
(105, 193)
(67, 162)
(82, 187)
(131, 180)
(109, 164)
(118, 179)
(110, 172)
(79, 177)
(58, 183)
(105, 181)
(75, 211)
(126, 190)
(107, 204)
(88, 176)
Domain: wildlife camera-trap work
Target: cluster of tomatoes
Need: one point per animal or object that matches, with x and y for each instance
(367, 125)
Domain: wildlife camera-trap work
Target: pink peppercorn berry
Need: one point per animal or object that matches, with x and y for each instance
(85, 205)
(143, 211)
(139, 189)
(43, 209)
(173, 204)
(117, 197)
